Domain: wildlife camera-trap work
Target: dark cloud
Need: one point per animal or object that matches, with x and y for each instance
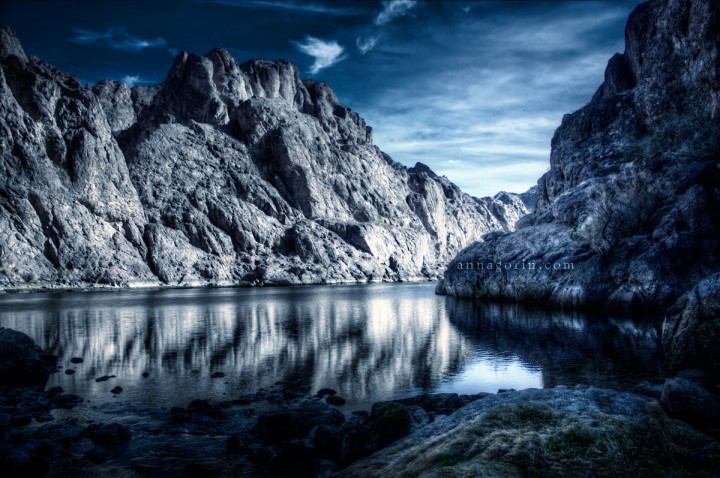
(474, 89)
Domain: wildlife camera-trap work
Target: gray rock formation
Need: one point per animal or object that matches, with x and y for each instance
(226, 173)
(692, 400)
(20, 363)
(629, 214)
(691, 331)
(559, 431)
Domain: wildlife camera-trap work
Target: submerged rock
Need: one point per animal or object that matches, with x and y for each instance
(335, 400)
(296, 423)
(110, 434)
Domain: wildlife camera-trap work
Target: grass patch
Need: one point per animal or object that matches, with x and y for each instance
(531, 416)
(535, 441)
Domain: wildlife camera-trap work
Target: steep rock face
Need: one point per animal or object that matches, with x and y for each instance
(627, 216)
(691, 331)
(225, 173)
(69, 211)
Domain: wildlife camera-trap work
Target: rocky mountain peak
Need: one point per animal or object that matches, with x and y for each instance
(10, 45)
(225, 173)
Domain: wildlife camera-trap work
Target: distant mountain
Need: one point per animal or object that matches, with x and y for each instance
(226, 173)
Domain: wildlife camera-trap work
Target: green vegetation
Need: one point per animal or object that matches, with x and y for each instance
(390, 421)
(533, 440)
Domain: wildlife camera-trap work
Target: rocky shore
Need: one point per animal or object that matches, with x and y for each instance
(292, 431)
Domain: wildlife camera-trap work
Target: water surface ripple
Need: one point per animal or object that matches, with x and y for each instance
(369, 342)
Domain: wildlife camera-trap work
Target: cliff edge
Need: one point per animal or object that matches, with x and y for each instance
(628, 215)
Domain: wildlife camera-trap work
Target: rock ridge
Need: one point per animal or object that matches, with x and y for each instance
(226, 173)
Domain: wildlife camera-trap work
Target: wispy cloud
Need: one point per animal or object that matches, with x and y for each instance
(292, 6)
(365, 44)
(392, 9)
(325, 53)
(117, 38)
(131, 80)
(135, 80)
(494, 86)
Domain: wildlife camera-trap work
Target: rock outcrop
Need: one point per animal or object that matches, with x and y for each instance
(628, 217)
(20, 361)
(691, 331)
(226, 173)
(559, 431)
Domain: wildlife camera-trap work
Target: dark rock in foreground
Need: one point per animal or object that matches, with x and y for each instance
(693, 399)
(552, 432)
(691, 331)
(20, 363)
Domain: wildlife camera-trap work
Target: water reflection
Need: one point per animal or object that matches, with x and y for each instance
(369, 342)
(567, 347)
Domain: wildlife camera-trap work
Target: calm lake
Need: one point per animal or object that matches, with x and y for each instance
(368, 342)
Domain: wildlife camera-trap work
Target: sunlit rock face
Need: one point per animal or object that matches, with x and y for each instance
(226, 173)
(627, 216)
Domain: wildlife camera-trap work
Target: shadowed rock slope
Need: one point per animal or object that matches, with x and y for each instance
(226, 173)
(628, 216)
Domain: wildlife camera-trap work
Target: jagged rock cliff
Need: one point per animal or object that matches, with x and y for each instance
(629, 214)
(226, 173)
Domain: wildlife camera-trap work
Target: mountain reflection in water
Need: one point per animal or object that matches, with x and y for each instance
(369, 342)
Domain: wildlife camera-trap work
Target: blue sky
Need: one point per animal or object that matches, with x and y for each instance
(474, 89)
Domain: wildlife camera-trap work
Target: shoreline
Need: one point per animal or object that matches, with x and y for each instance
(288, 432)
(145, 286)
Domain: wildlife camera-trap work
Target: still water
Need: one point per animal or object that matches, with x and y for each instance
(369, 342)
